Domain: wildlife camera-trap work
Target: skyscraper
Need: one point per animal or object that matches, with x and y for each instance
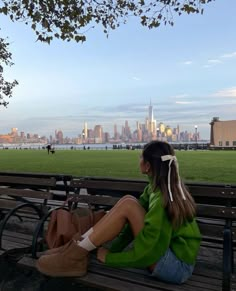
(151, 122)
(98, 133)
(150, 112)
(85, 130)
(115, 132)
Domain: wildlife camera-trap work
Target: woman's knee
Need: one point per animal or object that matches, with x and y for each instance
(128, 197)
(129, 202)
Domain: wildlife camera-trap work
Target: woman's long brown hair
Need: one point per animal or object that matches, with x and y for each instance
(179, 210)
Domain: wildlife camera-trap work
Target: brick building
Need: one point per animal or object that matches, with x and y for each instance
(223, 133)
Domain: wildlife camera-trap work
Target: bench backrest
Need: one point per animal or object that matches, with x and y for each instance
(215, 203)
(15, 186)
(58, 177)
(62, 180)
(116, 188)
(221, 194)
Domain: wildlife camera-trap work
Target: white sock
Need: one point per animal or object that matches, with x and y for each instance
(87, 233)
(87, 244)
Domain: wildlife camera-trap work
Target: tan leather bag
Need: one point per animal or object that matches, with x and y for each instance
(64, 224)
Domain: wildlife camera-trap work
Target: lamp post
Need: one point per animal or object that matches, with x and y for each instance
(196, 135)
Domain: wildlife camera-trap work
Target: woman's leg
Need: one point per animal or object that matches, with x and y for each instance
(73, 260)
(127, 210)
(114, 207)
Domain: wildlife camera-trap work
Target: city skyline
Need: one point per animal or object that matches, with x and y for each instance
(187, 71)
(163, 132)
(144, 131)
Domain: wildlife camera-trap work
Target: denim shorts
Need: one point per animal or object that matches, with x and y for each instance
(170, 269)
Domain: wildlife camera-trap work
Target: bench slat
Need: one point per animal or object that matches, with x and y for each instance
(13, 234)
(138, 276)
(214, 192)
(101, 276)
(216, 211)
(207, 229)
(58, 177)
(107, 185)
(37, 182)
(96, 200)
(25, 193)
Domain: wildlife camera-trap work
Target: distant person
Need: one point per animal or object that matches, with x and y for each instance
(48, 147)
(161, 225)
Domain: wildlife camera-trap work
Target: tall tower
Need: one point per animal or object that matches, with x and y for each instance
(150, 112)
(98, 134)
(177, 132)
(127, 129)
(59, 136)
(115, 132)
(85, 130)
(151, 122)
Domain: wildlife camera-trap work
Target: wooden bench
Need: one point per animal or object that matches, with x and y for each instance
(23, 202)
(60, 189)
(216, 215)
(215, 212)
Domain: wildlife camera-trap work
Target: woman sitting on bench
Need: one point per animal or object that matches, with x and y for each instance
(161, 226)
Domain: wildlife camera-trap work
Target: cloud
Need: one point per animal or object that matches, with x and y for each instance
(136, 78)
(180, 96)
(229, 55)
(184, 102)
(187, 63)
(214, 61)
(228, 92)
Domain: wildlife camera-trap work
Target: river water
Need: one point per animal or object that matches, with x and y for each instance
(104, 146)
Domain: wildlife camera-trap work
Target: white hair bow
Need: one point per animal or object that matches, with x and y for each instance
(171, 158)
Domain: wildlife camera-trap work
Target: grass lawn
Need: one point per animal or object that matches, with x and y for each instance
(205, 166)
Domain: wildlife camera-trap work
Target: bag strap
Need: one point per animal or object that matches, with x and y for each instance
(91, 216)
(73, 203)
(67, 201)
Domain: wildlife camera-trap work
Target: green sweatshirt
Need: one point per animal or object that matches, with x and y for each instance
(155, 238)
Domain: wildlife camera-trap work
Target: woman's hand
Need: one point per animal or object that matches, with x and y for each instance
(101, 254)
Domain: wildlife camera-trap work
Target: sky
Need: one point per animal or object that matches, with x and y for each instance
(187, 72)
